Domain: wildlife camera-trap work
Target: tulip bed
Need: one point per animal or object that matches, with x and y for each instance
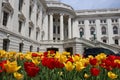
(57, 66)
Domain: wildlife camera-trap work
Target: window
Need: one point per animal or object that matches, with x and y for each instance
(53, 19)
(6, 43)
(115, 30)
(30, 31)
(81, 22)
(58, 20)
(20, 26)
(5, 18)
(37, 15)
(58, 38)
(114, 20)
(92, 22)
(103, 21)
(54, 29)
(36, 35)
(58, 29)
(104, 40)
(38, 49)
(116, 41)
(31, 48)
(20, 4)
(54, 38)
(30, 11)
(103, 30)
(92, 30)
(21, 47)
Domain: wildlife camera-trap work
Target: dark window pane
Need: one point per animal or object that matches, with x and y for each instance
(20, 26)
(5, 18)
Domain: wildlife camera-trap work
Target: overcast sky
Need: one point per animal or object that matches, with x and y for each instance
(92, 4)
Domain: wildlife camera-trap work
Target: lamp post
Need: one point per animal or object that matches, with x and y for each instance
(94, 36)
(81, 33)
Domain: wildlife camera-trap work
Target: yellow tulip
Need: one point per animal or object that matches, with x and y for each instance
(62, 58)
(36, 61)
(112, 75)
(69, 66)
(86, 76)
(75, 58)
(2, 53)
(79, 66)
(57, 55)
(101, 56)
(18, 76)
(11, 67)
(28, 56)
(66, 53)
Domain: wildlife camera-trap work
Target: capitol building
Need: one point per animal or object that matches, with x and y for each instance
(41, 25)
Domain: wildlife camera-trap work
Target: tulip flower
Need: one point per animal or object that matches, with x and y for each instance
(11, 67)
(18, 76)
(86, 76)
(79, 66)
(69, 66)
(112, 75)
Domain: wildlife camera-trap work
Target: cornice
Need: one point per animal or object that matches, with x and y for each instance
(43, 3)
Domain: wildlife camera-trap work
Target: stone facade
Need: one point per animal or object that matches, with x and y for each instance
(37, 25)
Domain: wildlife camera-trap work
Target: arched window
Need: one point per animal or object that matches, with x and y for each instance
(115, 30)
(81, 32)
(92, 30)
(103, 30)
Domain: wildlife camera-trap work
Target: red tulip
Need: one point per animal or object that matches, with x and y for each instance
(31, 69)
(95, 71)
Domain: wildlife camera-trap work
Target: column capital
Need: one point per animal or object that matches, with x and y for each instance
(61, 14)
(50, 13)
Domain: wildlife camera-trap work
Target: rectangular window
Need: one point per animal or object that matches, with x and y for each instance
(30, 11)
(38, 49)
(6, 44)
(36, 35)
(116, 41)
(30, 31)
(58, 29)
(20, 4)
(21, 47)
(20, 26)
(54, 29)
(5, 18)
(104, 41)
(31, 48)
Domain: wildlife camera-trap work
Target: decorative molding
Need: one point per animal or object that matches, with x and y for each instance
(7, 6)
(31, 23)
(21, 17)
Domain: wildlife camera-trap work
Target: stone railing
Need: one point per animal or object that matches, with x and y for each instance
(58, 4)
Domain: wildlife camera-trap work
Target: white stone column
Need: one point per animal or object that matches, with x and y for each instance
(98, 30)
(75, 29)
(51, 27)
(69, 28)
(61, 27)
(110, 32)
(46, 27)
(87, 30)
